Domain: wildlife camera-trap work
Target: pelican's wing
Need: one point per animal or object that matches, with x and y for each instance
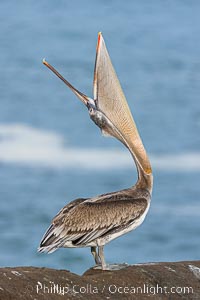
(89, 220)
(111, 101)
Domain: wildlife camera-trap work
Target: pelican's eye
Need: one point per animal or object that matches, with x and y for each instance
(91, 110)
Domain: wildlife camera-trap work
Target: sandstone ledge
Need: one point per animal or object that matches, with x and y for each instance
(171, 280)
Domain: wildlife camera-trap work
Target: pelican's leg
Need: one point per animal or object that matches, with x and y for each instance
(95, 255)
(101, 255)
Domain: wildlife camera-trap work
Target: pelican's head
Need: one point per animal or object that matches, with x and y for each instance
(96, 116)
(102, 121)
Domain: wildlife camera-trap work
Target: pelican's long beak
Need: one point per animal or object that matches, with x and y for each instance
(80, 95)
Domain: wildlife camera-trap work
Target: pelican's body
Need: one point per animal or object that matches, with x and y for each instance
(93, 222)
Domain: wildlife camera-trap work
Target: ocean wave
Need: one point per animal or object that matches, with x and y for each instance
(179, 210)
(23, 144)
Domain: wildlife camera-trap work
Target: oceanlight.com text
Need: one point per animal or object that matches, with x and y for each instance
(54, 288)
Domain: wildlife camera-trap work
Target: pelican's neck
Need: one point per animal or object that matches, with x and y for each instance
(145, 181)
(133, 143)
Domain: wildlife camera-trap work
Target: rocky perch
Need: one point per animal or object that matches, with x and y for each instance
(171, 280)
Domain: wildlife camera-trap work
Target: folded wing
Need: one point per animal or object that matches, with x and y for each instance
(91, 220)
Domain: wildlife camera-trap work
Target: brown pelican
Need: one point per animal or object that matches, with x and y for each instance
(93, 222)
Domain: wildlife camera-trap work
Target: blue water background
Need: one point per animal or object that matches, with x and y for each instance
(155, 48)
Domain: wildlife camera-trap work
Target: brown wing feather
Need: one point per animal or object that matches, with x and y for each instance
(91, 216)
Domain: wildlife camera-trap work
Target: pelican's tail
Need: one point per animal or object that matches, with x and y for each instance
(50, 242)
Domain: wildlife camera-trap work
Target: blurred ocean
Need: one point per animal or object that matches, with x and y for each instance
(50, 151)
